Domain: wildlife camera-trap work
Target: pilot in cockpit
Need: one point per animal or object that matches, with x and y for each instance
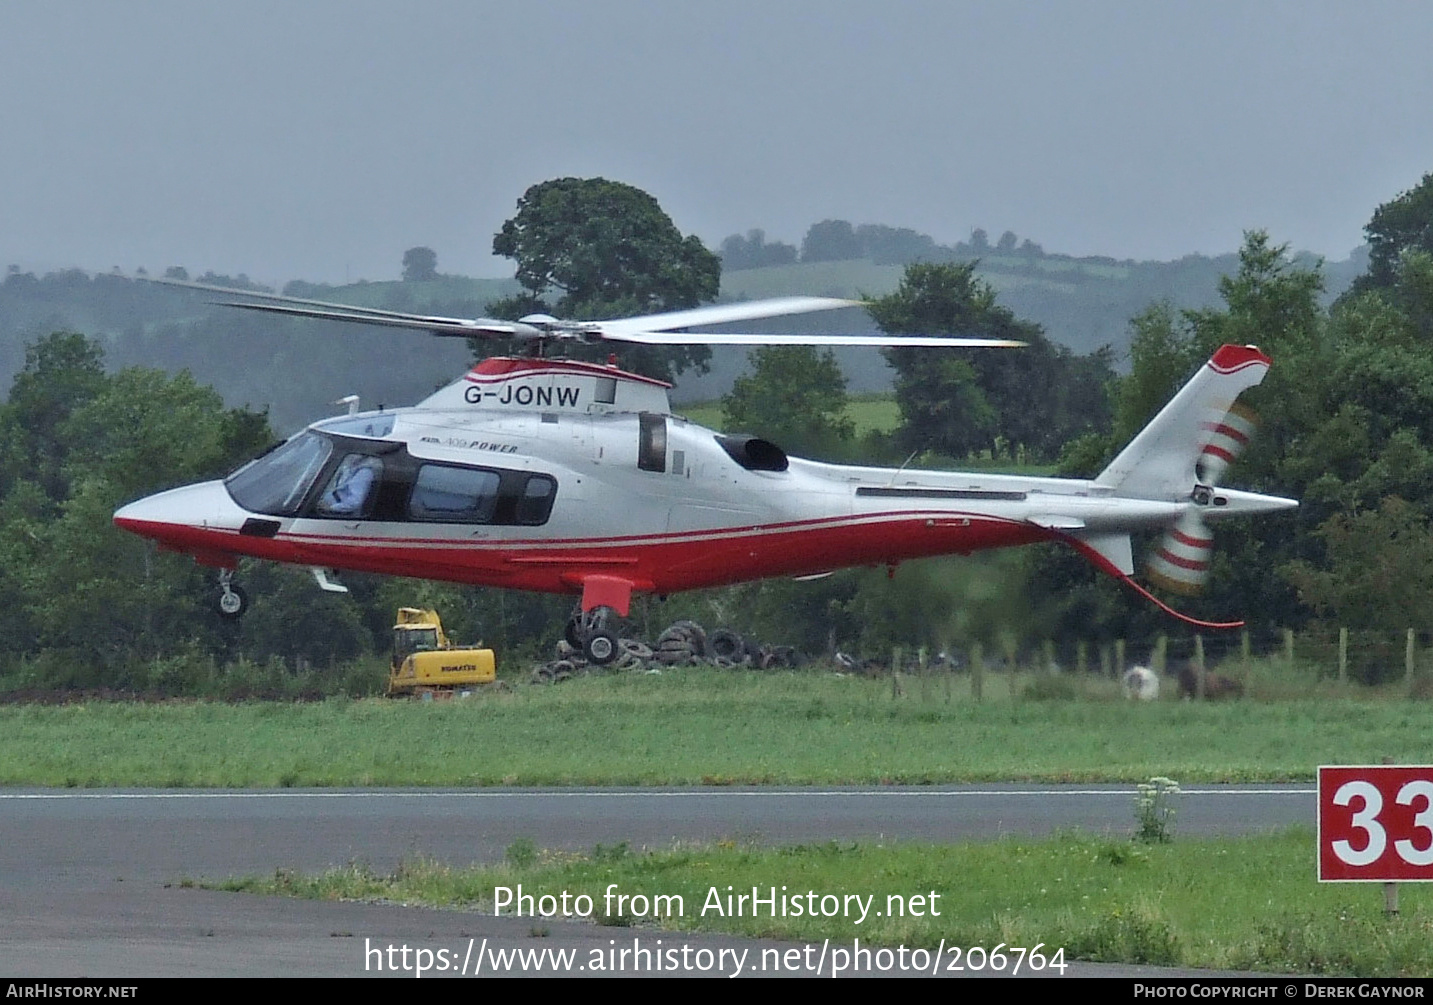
(348, 492)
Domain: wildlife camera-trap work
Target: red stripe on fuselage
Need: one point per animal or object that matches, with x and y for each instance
(669, 563)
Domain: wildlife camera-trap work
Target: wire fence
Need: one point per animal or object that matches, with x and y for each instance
(1267, 662)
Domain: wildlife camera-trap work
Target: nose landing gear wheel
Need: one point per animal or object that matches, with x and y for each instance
(232, 601)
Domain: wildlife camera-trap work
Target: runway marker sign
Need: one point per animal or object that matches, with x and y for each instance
(1375, 823)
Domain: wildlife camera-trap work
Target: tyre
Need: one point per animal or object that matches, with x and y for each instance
(688, 631)
(601, 648)
(639, 650)
(232, 603)
(727, 645)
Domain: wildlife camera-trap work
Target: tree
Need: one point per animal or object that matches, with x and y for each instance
(610, 251)
(604, 245)
(956, 402)
(1370, 551)
(1400, 225)
(895, 245)
(830, 241)
(420, 265)
(794, 396)
(753, 251)
(68, 579)
(62, 373)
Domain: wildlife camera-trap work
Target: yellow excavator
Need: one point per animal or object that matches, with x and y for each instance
(427, 665)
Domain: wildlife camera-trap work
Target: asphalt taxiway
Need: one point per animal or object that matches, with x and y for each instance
(99, 883)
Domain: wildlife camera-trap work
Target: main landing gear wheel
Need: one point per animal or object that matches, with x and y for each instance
(600, 648)
(232, 601)
(588, 631)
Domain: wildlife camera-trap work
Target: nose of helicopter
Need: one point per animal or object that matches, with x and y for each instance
(171, 516)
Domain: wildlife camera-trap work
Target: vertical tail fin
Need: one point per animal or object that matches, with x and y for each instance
(1164, 460)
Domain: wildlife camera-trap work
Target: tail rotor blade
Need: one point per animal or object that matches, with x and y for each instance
(1227, 439)
(1181, 562)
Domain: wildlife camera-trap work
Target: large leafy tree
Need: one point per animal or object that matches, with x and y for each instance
(955, 401)
(63, 372)
(420, 265)
(1400, 225)
(605, 249)
(795, 396)
(601, 244)
(69, 581)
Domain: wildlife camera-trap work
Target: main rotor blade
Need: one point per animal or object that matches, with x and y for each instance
(452, 327)
(718, 314)
(352, 309)
(729, 338)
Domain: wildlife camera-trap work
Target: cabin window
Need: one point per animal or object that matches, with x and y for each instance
(605, 393)
(353, 487)
(652, 442)
(455, 495)
(534, 506)
(277, 482)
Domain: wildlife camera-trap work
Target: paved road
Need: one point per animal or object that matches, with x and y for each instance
(91, 881)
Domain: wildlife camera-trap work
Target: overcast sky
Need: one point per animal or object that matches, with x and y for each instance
(320, 139)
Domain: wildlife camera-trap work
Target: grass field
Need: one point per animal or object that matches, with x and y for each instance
(1240, 904)
(702, 726)
(871, 413)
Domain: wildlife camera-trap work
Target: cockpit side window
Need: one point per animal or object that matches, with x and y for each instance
(351, 490)
(277, 482)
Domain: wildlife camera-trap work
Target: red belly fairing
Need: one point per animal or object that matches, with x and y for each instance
(659, 563)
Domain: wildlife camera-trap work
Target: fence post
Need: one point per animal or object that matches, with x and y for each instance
(1159, 661)
(895, 672)
(1244, 659)
(1048, 650)
(977, 671)
(1409, 653)
(925, 674)
(1082, 657)
(1199, 667)
(1343, 655)
(1289, 646)
(1105, 661)
(1119, 657)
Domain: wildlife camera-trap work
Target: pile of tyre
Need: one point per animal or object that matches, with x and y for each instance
(683, 644)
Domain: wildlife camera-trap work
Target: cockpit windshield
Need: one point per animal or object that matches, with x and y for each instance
(277, 482)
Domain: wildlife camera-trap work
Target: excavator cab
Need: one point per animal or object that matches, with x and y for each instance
(425, 662)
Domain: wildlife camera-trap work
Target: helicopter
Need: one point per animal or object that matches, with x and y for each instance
(547, 473)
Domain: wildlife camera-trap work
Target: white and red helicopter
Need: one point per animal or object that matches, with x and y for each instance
(562, 476)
